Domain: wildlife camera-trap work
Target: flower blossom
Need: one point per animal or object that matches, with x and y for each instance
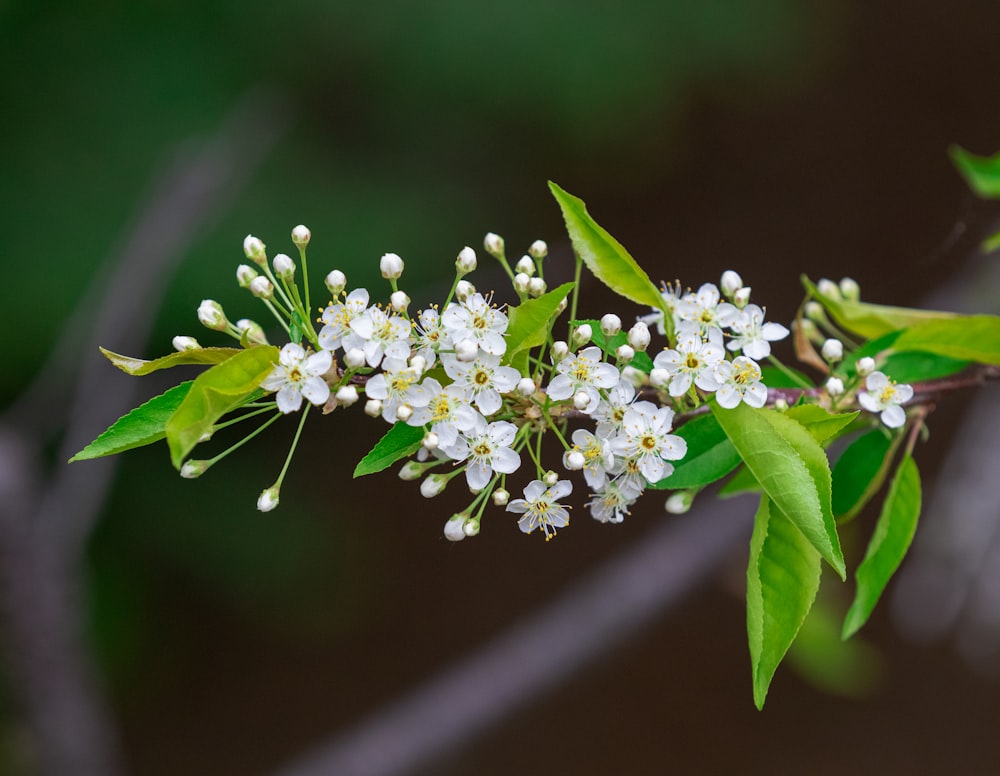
(884, 396)
(646, 440)
(540, 507)
(583, 372)
(739, 381)
(752, 335)
(477, 320)
(487, 449)
(297, 375)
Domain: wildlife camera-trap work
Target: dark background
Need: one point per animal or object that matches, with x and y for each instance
(768, 136)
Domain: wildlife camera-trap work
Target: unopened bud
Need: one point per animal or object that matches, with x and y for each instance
(354, 358)
(252, 330)
(194, 469)
(574, 460)
(466, 261)
(835, 386)
(399, 301)
(581, 400)
(550, 478)
(634, 377)
(244, 274)
(284, 267)
(494, 245)
(411, 471)
(521, 282)
(865, 366)
(539, 249)
(404, 412)
(347, 395)
(741, 297)
(433, 485)
(182, 342)
(501, 497)
(464, 289)
(254, 250)
(391, 266)
(466, 350)
(561, 307)
(536, 287)
(828, 288)
(471, 527)
(680, 502)
(659, 377)
(211, 315)
(526, 265)
(418, 364)
(261, 287)
(850, 289)
(731, 282)
(832, 350)
(611, 324)
(638, 336)
(268, 499)
(454, 530)
(336, 282)
(582, 335)
(526, 386)
(301, 236)
(625, 353)
(431, 441)
(559, 351)
(373, 408)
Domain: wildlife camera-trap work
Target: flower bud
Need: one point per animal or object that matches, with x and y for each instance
(521, 282)
(625, 353)
(634, 377)
(391, 266)
(581, 400)
(466, 261)
(550, 478)
(254, 250)
(194, 469)
(253, 331)
(611, 324)
(561, 307)
(433, 485)
(354, 358)
(261, 287)
(559, 351)
(835, 386)
(780, 404)
(284, 267)
(679, 502)
(501, 497)
(828, 288)
(464, 289)
(268, 499)
(731, 283)
(301, 236)
(658, 377)
(404, 412)
(418, 364)
(399, 301)
(347, 395)
(471, 527)
(373, 408)
(411, 471)
(211, 315)
(454, 530)
(741, 297)
(526, 386)
(865, 366)
(832, 350)
(466, 350)
(431, 441)
(850, 289)
(494, 245)
(638, 336)
(538, 249)
(525, 265)
(183, 342)
(814, 311)
(582, 335)
(574, 460)
(336, 282)
(244, 274)
(537, 287)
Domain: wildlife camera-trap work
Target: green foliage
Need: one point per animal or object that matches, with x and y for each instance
(859, 472)
(142, 426)
(710, 455)
(397, 443)
(604, 256)
(782, 579)
(640, 361)
(213, 393)
(982, 173)
(822, 424)
(792, 470)
(138, 366)
(895, 529)
(969, 338)
(530, 323)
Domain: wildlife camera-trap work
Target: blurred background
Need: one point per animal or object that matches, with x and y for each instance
(142, 141)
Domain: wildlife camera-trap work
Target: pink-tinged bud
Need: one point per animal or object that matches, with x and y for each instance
(268, 499)
(301, 236)
(244, 274)
(183, 342)
(284, 267)
(611, 324)
(254, 250)
(539, 249)
(466, 261)
(638, 336)
(211, 315)
(391, 266)
(336, 282)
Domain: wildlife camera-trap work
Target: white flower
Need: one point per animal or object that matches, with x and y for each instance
(429, 336)
(445, 409)
(593, 456)
(379, 334)
(739, 380)
(647, 441)
(693, 360)
(338, 317)
(752, 335)
(832, 350)
(610, 504)
(884, 396)
(704, 308)
(584, 373)
(487, 448)
(297, 375)
(392, 386)
(476, 319)
(540, 507)
(610, 415)
(482, 381)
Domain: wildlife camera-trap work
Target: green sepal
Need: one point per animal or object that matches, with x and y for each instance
(400, 441)
(792, 470)
(893, 534)
(142, 426)
(215, 392)
(138, 366)
(529, 324)
(605, 257)
(783, 576)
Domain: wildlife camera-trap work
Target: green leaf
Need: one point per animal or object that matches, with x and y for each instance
(822, 424)
(969, 338)
(641, 361)
(529, 322)
(296, 328)
(915, 366)
(137, 366)
(982, 173)
(893, 533)
(710, 455)
(398, 442)
(792, 470)
(215, 392)
(142, 426)
(859, 472)
(741, 482)
(782, 579)
(773, 377)
(872, 320)
(605, 256)
(991, 243)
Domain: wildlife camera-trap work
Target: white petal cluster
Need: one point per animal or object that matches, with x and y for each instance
(884, 397)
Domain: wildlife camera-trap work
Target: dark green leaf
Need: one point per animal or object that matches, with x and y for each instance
(710, 455)
(970, 338)
(641, 361)
(604, 256)
(982, 173)
(893, 533)
(142, 426)
(782, 579)
(398, 442)
(529, 322)
(792, 470)
(137, 366)
(773, 377)
(915, 366)
(860, 471)
(215, 392)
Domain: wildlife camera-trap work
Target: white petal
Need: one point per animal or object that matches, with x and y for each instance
(893, 416)
(289, 399)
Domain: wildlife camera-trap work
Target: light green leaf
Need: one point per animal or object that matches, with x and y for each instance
(872, 320)
(970, 338)
(822, 424)
(138, 366)
(991, 243)
(529, 322)
(893, 533)
(773, 377)
(782, 579)
(741, 482)
(860, 471)
(710, 455)
(792, 470)
(215, 392)
(914, 366)
(398, 442)
(142, 426)
(982, 173)
(605, 256)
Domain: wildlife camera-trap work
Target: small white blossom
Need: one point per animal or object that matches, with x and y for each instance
(391, 266)
(380, 335)
(482, 381)
(705, 309)
(540, 507)
(487, 449)
(692, 361)
(339, 316)
(739, 380)
(445, 409)
(646, 439)
(584, 373)
(752, 335)
(832, 350)
(477, 320)
(610, 503)
(884, 396)
(393, 387)
(298, 375)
